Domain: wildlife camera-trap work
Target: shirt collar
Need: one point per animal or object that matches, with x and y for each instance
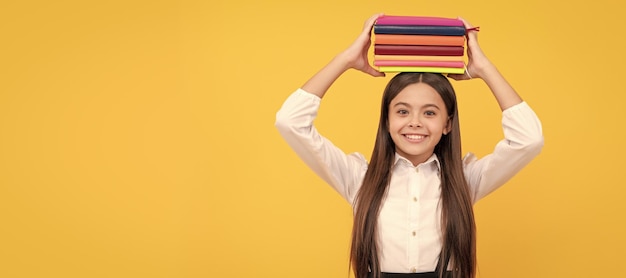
(432, 160)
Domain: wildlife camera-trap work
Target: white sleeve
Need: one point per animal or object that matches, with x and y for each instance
(523, 141)
(294, 121)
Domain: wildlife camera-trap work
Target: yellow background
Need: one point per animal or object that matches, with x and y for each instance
(137, 137)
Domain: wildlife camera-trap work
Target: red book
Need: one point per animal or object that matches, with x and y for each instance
(430, 50)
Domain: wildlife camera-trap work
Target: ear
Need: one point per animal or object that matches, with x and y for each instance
(448, 127)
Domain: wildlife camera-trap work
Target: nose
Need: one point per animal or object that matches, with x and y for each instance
(415, 123)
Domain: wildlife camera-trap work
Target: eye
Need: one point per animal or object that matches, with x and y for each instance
(430, 113)
(403, 112)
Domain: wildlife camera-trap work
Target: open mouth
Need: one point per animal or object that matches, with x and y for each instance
(414, 137)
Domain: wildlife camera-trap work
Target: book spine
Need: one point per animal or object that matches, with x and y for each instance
(442, 64)
(429, 50)
(418, 58)
(420, 30)
(419, 40)
(422, 69)
(418, 20)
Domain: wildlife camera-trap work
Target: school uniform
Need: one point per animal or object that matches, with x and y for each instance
(409, 230)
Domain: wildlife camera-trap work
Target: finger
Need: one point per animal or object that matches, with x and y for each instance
(369, 23)
(472, 35)
(373, 72)
(466, 23)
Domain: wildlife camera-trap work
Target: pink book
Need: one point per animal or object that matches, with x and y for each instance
(418, 20)
(419, 58)
(417, 63)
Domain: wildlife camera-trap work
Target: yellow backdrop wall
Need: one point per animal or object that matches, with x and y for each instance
(137, 137)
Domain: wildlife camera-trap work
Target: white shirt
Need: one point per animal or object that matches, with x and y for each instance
(410, 237)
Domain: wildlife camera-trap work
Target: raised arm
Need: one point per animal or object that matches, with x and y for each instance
(523, 136)
(354, 57)
(295, 119)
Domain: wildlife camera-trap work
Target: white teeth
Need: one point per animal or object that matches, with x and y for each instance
(414, 137)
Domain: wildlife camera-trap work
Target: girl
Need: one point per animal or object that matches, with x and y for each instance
(413, 202)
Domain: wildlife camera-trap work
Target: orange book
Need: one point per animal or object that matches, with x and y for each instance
(419, 40)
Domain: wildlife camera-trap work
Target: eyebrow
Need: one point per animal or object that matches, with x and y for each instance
(423, 106)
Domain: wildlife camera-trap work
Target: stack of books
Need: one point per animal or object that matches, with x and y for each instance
(419, 44)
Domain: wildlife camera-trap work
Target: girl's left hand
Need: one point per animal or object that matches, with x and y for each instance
(477, 60)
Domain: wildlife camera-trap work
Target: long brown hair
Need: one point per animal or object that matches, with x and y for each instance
(457, 217)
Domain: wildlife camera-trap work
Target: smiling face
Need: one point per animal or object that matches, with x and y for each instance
(417, 119)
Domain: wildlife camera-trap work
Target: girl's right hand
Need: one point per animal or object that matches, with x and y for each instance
(356, 55)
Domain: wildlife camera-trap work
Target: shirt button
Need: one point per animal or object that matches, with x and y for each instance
(414, 270)
(414, 199)
(417, 170)
(414, 233)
